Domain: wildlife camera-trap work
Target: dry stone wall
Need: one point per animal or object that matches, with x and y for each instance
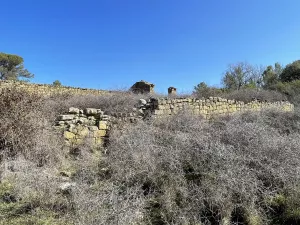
(89, 125)
(94, 126)
(46, 89)
(212, 107)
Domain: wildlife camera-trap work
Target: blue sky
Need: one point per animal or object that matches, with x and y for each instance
(108, 44)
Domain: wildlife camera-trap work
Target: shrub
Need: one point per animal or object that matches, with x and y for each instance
(247, 95)
(23, 128)
(206, 171)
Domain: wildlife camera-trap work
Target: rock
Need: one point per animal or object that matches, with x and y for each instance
(142, 102)
(69, 135)
(67, 187)
(65, 117)
(72, 128)
(60, 123)
(90, 111)
(99, 133)
(102, 125)
(93, 128)
(82, 120)
(141, 112)
(73, 110)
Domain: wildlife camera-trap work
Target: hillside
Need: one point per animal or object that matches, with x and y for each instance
(176, 169)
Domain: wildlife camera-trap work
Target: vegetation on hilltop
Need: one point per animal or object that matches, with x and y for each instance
(243, 81)
(12, 67)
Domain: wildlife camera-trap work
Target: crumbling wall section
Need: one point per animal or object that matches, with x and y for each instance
(94, 126)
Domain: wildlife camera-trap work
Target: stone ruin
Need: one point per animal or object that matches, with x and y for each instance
(94, 126)
(172, 91)
(142, 87)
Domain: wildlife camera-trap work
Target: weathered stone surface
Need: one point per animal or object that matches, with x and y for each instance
(68, 135)
(73, 110)
(172, 91)
(65, 117)
(90, 111)
(103, 125)
(142, 87)
(100, 133)
(142, 102)
(93, 128)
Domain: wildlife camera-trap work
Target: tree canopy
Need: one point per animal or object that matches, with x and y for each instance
(12, 67)
(271, 76)
(291, 72)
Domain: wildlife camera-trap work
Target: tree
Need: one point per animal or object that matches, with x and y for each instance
(12, 68)
(271, 76)
(241, 75)
(56, 83)
(291, 72)
(202, 90)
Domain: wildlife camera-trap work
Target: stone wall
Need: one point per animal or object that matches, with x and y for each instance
(46, 89)
(208, 108)
(93, 125)
(89, 125)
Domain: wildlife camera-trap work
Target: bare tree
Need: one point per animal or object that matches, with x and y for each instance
(242, 74)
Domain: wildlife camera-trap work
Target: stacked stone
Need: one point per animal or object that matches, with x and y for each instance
(204, 107)
(84, 125)
(211, 107)
(46, 89)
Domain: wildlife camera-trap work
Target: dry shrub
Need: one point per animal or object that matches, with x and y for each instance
(109, 103)
(174, 170)
(246, 95)
(193, 171)
(24, 129)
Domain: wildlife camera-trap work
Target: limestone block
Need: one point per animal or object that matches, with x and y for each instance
(103, 125)
(92, 128)
(82, 120)
(68, 135)
(60, 123)
(99, 133)
(65, 117)
(73, 110)
(90, 111)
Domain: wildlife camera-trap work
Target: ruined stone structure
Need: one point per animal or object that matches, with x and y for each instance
(172, 91)
(92, 125)
(142, 87)
(83, 125)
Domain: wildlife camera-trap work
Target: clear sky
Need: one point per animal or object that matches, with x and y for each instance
(109, 44)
